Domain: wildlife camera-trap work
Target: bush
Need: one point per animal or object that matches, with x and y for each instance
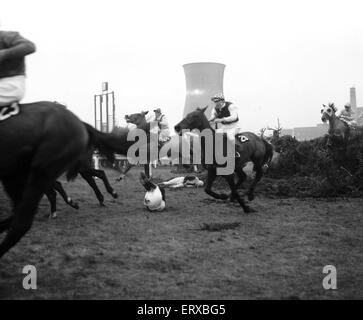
(326, 171)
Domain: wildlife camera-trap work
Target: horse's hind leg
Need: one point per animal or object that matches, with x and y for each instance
(102, 175)
(230, 180)
(92, 183)
(241, 175)
(258, 170)
(52, 197)
(67, 199)
(208, 188)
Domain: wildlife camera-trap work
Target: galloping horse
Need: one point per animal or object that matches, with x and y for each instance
(84, 167)
(254, 149)
(139, 120)
(339, 131)
(36, 147)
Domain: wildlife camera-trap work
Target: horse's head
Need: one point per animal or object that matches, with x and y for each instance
(328, 112)
(193, 120)
(137, 119)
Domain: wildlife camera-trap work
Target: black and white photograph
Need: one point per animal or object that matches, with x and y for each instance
(181, 150)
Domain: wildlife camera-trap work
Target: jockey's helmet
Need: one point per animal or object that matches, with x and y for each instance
(347, 105)
(218, 97)
(157, 110)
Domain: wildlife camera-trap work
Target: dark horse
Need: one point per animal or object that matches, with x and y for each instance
(84, 168)
(37, 146)
(254, 149)
(175, 142)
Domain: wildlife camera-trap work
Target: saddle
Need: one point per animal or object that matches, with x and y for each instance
(9, 111)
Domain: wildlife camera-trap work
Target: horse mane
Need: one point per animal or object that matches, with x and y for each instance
(332, 105)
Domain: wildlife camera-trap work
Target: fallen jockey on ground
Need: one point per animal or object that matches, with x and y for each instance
(155, 199)
(180, 182)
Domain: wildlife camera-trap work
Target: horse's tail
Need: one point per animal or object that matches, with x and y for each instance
(269, 152)
(105, 143)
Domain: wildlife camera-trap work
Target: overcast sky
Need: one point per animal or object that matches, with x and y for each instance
(283, 58)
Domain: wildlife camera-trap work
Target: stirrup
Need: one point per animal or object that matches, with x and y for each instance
(237, 155)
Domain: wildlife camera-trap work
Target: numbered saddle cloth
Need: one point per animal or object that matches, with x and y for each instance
(9, 111)
(241, 138)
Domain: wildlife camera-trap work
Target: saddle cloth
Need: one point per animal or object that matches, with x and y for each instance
(9, 111)
(241, 138)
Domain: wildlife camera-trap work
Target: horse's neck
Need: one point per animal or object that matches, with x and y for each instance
(333, 123)
(202, 141)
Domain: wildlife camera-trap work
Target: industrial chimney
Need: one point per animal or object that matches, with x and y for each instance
(203, 81)
(353, 99)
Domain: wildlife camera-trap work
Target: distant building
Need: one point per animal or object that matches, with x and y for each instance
(358, 112)
(308, 133)
(287, 132)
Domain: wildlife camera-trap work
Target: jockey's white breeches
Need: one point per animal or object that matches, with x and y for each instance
(12, 89)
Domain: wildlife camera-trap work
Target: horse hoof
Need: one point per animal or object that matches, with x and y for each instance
(52, 215)
(75, 205)
(114, 194)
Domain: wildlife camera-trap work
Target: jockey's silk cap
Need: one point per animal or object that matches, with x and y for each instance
(157, 110)
(218, 97)
(347, 105)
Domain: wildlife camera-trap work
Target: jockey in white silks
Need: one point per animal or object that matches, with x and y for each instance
(13, 49)
(154, 199)
(225, 116)
(180, 182)
(163, 126)
(347, 115)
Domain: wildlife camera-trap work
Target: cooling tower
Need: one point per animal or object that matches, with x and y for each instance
(203, 81)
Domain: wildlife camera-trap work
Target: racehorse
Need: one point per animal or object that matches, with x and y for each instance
(139, 120)
(85, 168)
(36, 147)
(254, 149)
(339, 131)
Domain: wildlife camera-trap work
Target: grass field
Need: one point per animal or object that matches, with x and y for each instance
(122, 251)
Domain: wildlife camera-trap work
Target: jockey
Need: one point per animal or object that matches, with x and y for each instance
(164, 132)
(155, 196)
(187, 181)
(13, 49)
(225, 116)
(347, 114)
